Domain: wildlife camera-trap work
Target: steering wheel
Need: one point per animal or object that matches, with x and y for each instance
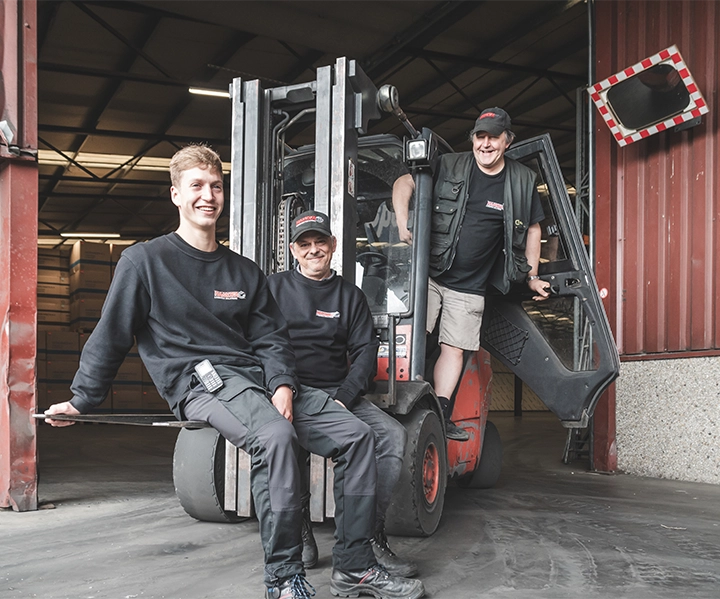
(372, 258)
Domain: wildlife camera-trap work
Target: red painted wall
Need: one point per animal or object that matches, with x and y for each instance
(657, 199)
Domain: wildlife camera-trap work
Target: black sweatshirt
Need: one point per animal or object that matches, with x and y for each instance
(330, 324)
(184, 305)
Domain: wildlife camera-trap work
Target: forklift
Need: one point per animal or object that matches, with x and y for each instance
(562, 348)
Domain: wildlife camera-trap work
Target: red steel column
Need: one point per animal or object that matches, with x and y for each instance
(18, 253)
(604, 450)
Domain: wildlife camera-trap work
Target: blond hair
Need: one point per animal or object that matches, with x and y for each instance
(193, 156)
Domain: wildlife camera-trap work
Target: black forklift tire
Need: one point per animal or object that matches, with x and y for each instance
(490, 466)
(417, 503)
(199, 475)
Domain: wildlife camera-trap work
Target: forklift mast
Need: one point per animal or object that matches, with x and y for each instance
(339, 103)
(341, 100)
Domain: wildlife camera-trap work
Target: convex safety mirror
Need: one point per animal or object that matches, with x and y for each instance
(651, 96)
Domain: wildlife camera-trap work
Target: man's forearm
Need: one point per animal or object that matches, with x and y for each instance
(532, 248)
(402, 192)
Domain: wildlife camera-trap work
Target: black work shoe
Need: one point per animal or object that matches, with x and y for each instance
(396, 566)
(454, 432)
(375, 581)
(295, 587)
(310, 549)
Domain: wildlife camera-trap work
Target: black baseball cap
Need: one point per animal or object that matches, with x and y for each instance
(309, 221)
(493, 120)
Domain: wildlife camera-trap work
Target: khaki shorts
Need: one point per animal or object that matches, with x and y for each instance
(461, 316)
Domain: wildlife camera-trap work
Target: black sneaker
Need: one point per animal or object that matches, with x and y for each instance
(454, 432)
(295, 587)
(309, 549)
(375, 581)
(396, 566)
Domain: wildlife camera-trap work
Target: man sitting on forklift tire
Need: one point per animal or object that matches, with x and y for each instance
(188, 300)
(485, 230)
(335, 345)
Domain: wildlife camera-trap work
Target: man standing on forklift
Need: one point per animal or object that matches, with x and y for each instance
(216, 346)
(485, 230)
(332, 333)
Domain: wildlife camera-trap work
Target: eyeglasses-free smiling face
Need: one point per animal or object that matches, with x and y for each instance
(314, 252)
(489, 151)
(199, 197)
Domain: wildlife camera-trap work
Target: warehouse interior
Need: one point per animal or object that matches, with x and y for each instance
(114, 105)
(114, 77)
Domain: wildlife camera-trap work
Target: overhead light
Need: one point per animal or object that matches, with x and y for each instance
(208, 92)
(92, 235)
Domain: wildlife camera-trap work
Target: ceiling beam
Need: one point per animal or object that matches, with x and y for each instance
(487, 94)
(472, 117)
(489, 47)
(115, 33)
(304, 63)
(54, 67)
(184, 139)
(62, 195)
(220, 58)
(136, 7)
(46, 14)
(78, 179)
(420, 33)
(493, 65)
(108, 91)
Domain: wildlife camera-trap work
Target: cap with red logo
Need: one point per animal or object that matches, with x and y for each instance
(492, 120)
(309, 221)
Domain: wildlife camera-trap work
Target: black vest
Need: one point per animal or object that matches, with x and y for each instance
(449, 202)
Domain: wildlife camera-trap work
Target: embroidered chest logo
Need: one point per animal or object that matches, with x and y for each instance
(323, 314)
(228, 295)
(495, 206)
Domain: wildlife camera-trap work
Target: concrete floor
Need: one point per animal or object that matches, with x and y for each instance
(114, 529)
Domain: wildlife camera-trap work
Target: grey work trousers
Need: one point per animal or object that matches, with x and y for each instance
(390, 439)
(242, 413)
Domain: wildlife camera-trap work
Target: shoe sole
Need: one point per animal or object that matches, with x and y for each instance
(365, 589)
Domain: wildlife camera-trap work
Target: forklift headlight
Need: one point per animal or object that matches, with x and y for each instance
(417, 149)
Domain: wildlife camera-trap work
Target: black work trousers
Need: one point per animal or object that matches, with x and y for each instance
(242, 413)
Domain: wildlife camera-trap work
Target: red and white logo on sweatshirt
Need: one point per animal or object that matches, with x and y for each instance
(228, 295)
(324, 314)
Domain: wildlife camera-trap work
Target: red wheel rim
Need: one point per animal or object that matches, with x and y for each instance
(431, 473)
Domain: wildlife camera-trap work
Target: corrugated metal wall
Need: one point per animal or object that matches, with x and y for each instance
(658, 201)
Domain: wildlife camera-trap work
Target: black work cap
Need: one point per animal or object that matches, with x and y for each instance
(309, 221)
(493, 120)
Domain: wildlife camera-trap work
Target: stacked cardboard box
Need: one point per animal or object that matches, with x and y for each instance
(57, 361)
(72, 286)
(53, 291)
(90, 271)
(58, 358)
(115, 251)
